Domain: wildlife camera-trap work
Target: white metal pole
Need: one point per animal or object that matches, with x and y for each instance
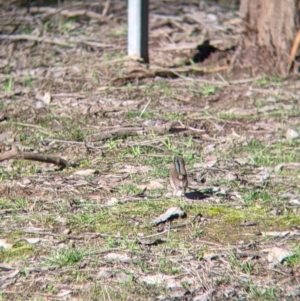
(138, 19)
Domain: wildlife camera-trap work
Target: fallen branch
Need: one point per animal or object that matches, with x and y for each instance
(27, 37)
(16, 154)
(130, 131)
(59, 42)
(68, 13)
(169, 73)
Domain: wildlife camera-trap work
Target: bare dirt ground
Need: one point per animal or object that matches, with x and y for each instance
(86, 229)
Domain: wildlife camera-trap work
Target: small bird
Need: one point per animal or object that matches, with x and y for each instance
(178, 175)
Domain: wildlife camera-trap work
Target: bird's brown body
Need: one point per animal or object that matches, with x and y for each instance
(178, 175)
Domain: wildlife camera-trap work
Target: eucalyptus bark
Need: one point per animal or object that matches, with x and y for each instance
(269, 30)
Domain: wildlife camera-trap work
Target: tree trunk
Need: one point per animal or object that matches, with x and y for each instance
(270, 28)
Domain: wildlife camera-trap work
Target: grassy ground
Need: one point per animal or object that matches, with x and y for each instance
(86, 232)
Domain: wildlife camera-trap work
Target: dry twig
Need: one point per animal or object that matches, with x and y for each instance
(16, 154)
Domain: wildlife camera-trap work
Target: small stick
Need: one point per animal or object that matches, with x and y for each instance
(146, 106)
(106, 8)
